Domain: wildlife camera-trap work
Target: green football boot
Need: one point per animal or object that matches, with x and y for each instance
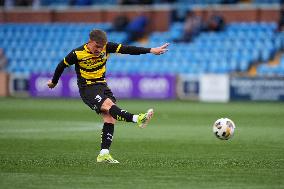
(143, 119)
(106, 158)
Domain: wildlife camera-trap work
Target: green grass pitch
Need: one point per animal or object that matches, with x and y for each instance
(50, 144)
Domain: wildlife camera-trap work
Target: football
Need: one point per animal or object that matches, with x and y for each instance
(224, 128)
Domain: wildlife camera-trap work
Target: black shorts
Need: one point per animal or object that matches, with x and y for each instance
(95, 95)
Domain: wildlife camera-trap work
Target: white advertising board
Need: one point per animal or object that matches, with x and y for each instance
(214, 88)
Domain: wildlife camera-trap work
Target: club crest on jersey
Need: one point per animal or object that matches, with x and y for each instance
(103, 55)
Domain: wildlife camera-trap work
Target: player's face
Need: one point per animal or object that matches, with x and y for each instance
(95, 47)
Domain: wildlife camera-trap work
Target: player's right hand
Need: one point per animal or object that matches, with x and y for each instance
(50, 84)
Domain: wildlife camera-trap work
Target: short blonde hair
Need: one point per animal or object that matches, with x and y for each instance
(98, 36)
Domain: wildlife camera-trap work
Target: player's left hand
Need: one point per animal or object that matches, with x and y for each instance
(50, 84)
(160, 50)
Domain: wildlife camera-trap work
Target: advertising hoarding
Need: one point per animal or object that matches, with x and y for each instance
(123, 86)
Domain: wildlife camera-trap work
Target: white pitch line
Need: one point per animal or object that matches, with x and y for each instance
(46, 126)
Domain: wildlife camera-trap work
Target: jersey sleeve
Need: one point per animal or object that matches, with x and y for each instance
(125, 49)
(70, 59)
(113, 47)
(58, 72)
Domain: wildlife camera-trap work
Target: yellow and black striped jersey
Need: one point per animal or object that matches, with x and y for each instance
(89, 68)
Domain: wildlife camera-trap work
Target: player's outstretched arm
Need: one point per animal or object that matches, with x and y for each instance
(70, 59)
(58, 71)
(159, 50)
(133, 50)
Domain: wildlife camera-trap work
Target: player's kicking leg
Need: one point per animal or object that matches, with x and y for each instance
(108, 131)
(142, 119)
(110, 113)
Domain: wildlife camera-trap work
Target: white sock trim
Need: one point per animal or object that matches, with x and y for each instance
(135, 118)
(104, 151)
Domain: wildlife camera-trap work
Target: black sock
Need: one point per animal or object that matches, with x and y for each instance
(119, 114)
(107, 135)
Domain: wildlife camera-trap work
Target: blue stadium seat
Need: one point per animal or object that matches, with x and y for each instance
(233, 49)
